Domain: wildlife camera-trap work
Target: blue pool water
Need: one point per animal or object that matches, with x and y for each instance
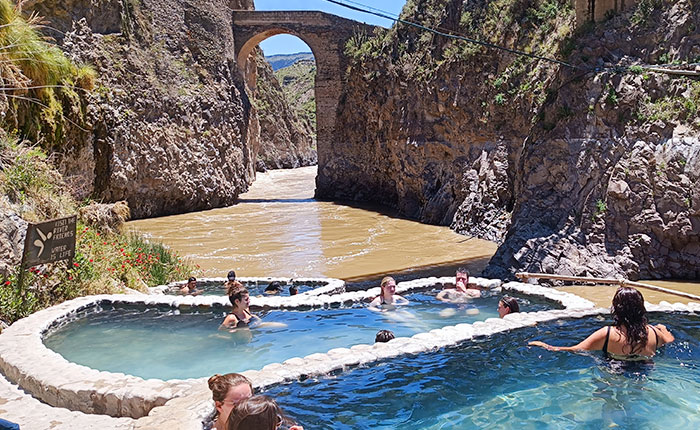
(500, 382)
(165, 343)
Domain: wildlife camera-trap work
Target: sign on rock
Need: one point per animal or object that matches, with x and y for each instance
(49, 241)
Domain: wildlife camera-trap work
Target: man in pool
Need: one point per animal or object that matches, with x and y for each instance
(462, 290)
(190, 288)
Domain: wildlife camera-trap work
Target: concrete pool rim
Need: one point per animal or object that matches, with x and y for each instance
(48, 376)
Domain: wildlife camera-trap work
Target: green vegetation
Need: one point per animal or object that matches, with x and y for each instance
(41, 82)
(673, 108)
(297, 81)
(643, 11)
(600, 208)
(105, 261)
(42, 88)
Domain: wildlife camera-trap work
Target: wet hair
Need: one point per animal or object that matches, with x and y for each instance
(511, 304)
(628, 311)
(236, 291)
(221, 384)
(462, 270)
(256, 413)
(293, 290)
(231, 275)
(274, 287)
(384, 336)
(192, 279)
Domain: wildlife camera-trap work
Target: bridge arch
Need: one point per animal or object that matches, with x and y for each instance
(326, 35)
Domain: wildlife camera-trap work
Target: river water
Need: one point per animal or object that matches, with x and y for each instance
(278, 229)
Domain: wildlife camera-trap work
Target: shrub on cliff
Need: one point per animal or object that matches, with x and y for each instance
(106, 260)
(39, 81)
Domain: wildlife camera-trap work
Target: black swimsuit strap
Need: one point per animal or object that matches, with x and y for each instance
(655, 334)
(605, 345)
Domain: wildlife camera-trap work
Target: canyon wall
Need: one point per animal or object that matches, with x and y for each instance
(169, 127)
(591, 170)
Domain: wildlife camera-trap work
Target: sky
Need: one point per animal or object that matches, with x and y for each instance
(287, 44)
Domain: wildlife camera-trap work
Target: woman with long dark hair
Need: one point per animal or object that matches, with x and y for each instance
(630, 338)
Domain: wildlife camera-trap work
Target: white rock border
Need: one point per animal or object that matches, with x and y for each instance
(323, 285)
(48, 376)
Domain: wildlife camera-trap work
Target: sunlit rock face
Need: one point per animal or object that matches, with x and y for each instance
(169, 127)
(573, 172)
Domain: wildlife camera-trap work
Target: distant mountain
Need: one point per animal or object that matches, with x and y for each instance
(297, 81)
(280, 61)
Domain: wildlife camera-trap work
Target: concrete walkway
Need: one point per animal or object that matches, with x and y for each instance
(21, 408)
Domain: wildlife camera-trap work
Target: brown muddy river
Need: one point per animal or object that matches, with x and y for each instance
(278, 229)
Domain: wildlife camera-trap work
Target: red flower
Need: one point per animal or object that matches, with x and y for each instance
(76, 264)
(8, 282)
(91, 260)
(122, 266)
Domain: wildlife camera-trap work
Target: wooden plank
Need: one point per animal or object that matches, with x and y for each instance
(621, 282)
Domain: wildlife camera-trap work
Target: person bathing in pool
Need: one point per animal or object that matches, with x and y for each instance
(630, 338)
(387, 298)
(462, 290)
(240, 315)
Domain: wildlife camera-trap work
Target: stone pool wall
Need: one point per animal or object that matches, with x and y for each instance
(321, 285)
(186, 404)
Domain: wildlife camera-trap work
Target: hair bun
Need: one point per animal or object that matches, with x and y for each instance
(213, 380)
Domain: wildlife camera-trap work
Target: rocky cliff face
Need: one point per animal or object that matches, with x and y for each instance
(169, 127)
(585, 170)
(286, 141)
(612, 188)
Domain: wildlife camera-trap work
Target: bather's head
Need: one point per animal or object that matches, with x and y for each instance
(507, 305)
(274, 288)
(238, 295)
(231, 275)
(462, 276)
(388, 286)
(293, 290)
(227, 391)
(384, 336)
(257, 413)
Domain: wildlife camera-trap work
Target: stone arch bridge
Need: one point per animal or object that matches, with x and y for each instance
(326, 35)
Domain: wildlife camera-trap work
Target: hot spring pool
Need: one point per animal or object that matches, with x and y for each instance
(165, 343)
(255, 288)
(500, 382)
